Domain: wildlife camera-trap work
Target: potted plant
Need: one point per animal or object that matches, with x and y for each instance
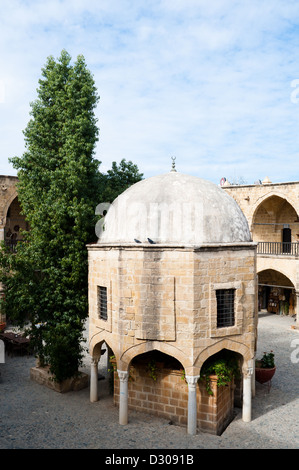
(265, 368)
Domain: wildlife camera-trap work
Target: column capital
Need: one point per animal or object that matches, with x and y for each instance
(192, 410)
(248, 368)
(123, 375)
(94, 361)
(192, 380)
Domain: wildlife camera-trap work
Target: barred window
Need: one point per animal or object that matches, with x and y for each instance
(102, 303)
(225, 307)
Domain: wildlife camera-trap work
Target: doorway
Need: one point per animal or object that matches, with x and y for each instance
(286, 240)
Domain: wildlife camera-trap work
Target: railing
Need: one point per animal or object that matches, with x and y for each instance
(278, 248)
(12, 244)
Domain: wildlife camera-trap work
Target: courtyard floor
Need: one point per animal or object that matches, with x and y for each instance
(35, 417)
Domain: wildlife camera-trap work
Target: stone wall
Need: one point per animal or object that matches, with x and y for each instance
(8, 192)
(150, 297)
(43, 376)
(164, 298)
(274, 204)
(250, 197)
(216, 411)
(167, 397)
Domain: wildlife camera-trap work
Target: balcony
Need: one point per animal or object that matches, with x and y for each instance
(278, 248)
(12, 245)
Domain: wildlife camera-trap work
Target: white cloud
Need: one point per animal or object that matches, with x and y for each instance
(2, 91)
(209, 82)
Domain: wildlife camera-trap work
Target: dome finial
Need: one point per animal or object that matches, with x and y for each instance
(173, 163)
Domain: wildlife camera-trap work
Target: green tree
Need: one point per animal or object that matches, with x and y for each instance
(45, 282)
(118, 179)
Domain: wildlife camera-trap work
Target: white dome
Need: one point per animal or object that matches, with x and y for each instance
(174, 208)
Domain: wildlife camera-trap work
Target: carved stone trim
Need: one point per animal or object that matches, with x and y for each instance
(192, 381)
(123, 375)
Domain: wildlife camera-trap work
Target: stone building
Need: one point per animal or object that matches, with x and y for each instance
(11, 219)
(272, 212)
(172, 278)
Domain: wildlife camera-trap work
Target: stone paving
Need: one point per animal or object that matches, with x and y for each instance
(35, 417)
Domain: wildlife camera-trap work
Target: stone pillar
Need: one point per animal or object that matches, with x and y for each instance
(253, 380)
(94, 380)
(192, 405)
(247, 393)
(123, 396)
(297, 309)
(2, 238)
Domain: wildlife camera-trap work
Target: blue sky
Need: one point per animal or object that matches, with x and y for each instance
(214, 83)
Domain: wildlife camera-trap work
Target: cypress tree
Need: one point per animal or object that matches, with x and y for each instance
(46, 281)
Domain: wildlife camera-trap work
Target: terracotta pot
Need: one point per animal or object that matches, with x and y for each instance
(2, 326)
(263, 375)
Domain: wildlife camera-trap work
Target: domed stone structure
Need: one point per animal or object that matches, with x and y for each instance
(175, 208)
(173, 274)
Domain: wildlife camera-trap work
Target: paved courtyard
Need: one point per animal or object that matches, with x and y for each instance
(34, 417)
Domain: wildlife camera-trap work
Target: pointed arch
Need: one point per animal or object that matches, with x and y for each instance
(96, 342)
(286, 281)
(8, 203)
(165, 348)
(224, 343)
(260, 201)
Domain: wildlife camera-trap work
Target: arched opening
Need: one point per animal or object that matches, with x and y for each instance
(156, 386)
(15, 223)
(106, 367)
(228, 363)
(220, 390)
(276, 293)
(275, 227)
(160, 359)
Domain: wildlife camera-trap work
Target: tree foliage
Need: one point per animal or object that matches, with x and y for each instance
(45, 282)
(118, 179)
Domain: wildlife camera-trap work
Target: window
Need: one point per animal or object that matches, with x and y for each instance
(102, 303)
(225, 307)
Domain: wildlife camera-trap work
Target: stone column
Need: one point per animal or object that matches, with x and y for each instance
(247, 393)
(2, 238)
(94, 380)
(123, 396)
(192, 406)
(253, 380)
(297, 309)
